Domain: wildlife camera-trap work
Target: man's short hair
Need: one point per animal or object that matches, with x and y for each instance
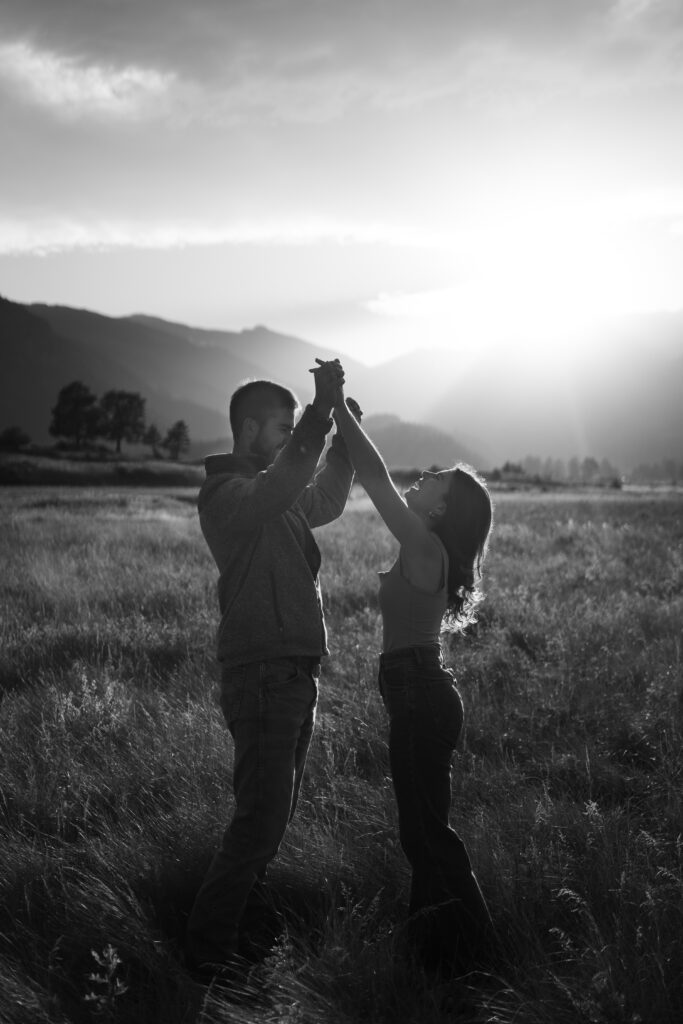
(256, 399)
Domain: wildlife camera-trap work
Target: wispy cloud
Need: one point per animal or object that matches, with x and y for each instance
(543, 224)
(525, 143)
(302, 62)
(62, 234)
(633, 12)
(74, 89)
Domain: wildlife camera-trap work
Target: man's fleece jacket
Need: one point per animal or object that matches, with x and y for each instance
(257, 522)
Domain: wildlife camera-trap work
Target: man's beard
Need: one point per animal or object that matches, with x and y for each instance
(266, 452)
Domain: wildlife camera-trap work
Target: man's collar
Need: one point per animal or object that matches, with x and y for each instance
(231, 463)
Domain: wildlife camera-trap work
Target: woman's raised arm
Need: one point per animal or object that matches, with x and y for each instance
(407, 527)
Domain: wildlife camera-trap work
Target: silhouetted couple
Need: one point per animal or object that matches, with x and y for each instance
(257, 509)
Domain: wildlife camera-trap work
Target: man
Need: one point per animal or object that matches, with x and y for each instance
(256, 510)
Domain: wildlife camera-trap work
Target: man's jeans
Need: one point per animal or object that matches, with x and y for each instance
(449, 917)
(269, 708)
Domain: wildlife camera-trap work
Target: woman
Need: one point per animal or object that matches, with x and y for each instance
(442, 525)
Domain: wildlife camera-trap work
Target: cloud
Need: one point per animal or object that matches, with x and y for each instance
(437, 302)
(543, 223)
(62, 234)
(74, 89)
(301, 61)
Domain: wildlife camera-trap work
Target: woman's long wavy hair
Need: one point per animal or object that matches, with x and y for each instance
(464, 529)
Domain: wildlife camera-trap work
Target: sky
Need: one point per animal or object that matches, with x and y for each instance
(374, 176)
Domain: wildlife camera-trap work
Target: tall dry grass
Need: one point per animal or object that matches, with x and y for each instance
(115, 771)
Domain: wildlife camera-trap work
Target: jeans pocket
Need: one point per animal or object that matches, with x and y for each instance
(279, 671)
(445, 705)
(288, 689)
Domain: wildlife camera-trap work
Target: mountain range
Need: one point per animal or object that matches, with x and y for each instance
(621, 398)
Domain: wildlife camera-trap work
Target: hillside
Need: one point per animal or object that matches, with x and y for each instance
(620, 396)
(183, 372)
(416, 446)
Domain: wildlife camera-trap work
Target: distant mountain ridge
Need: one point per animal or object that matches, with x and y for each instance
(620, 401)
(183, 373)
(415, 445)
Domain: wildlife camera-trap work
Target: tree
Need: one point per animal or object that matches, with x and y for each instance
(123, 416)
(559, 470)
(670, 470)
(13, 438)
(589, 470)
(152, 438)
(76, 416)
(532, 465)
(177, 439)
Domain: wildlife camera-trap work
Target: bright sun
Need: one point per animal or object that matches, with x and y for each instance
(544, 277)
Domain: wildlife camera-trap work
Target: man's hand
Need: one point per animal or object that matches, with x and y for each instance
(329, 381)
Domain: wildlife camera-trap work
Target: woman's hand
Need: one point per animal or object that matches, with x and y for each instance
(345, 407)
(354, 408)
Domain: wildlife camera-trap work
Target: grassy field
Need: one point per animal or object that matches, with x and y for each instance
(115, 770)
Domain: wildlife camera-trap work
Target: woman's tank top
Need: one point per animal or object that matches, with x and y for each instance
(411, 617)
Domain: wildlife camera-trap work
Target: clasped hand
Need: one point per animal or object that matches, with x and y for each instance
(329, 387)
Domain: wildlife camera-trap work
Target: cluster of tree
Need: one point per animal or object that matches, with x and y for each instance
(118, 416)
(590, 471)
(79, 418)
(13, 438)
(667, 471)
(574, 471)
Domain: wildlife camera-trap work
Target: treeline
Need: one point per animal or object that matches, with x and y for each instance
(666, 471)
(80, 419)
(590, 471)
(573, 471)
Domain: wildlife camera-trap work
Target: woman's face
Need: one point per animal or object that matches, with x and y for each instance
(428, 494)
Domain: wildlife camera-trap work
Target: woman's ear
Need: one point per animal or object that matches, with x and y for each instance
(439, 511)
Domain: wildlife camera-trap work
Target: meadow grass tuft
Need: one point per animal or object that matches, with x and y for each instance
(115, 771)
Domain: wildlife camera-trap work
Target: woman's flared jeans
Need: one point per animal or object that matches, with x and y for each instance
(450, 922)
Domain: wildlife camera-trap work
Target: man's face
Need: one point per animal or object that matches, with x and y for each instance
(274, 433)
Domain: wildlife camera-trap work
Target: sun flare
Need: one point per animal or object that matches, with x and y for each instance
(547, 275)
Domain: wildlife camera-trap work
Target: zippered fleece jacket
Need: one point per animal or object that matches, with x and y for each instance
(256, 520)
